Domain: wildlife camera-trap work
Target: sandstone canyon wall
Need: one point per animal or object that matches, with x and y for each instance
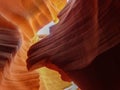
(19, 22)
(85, 44)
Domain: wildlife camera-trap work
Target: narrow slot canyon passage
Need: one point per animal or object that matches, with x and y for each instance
(59, 45)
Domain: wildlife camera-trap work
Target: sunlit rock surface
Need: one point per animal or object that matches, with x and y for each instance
(19, 22)
(87, 29)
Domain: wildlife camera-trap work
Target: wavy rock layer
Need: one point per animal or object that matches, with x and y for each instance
(87, 28)
(19, 23)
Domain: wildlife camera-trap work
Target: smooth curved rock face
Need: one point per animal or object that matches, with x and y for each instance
(19, 23)
(87, 28)
(10, 41)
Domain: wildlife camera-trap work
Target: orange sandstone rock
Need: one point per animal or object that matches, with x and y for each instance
(19, 22)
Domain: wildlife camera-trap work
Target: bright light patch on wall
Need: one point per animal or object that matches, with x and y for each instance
(46, 29)
(68, 0)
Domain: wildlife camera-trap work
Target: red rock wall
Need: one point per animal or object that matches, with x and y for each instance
(87, 29)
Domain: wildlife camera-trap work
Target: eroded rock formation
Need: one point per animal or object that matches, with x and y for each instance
(19, 22)
(87, 29)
